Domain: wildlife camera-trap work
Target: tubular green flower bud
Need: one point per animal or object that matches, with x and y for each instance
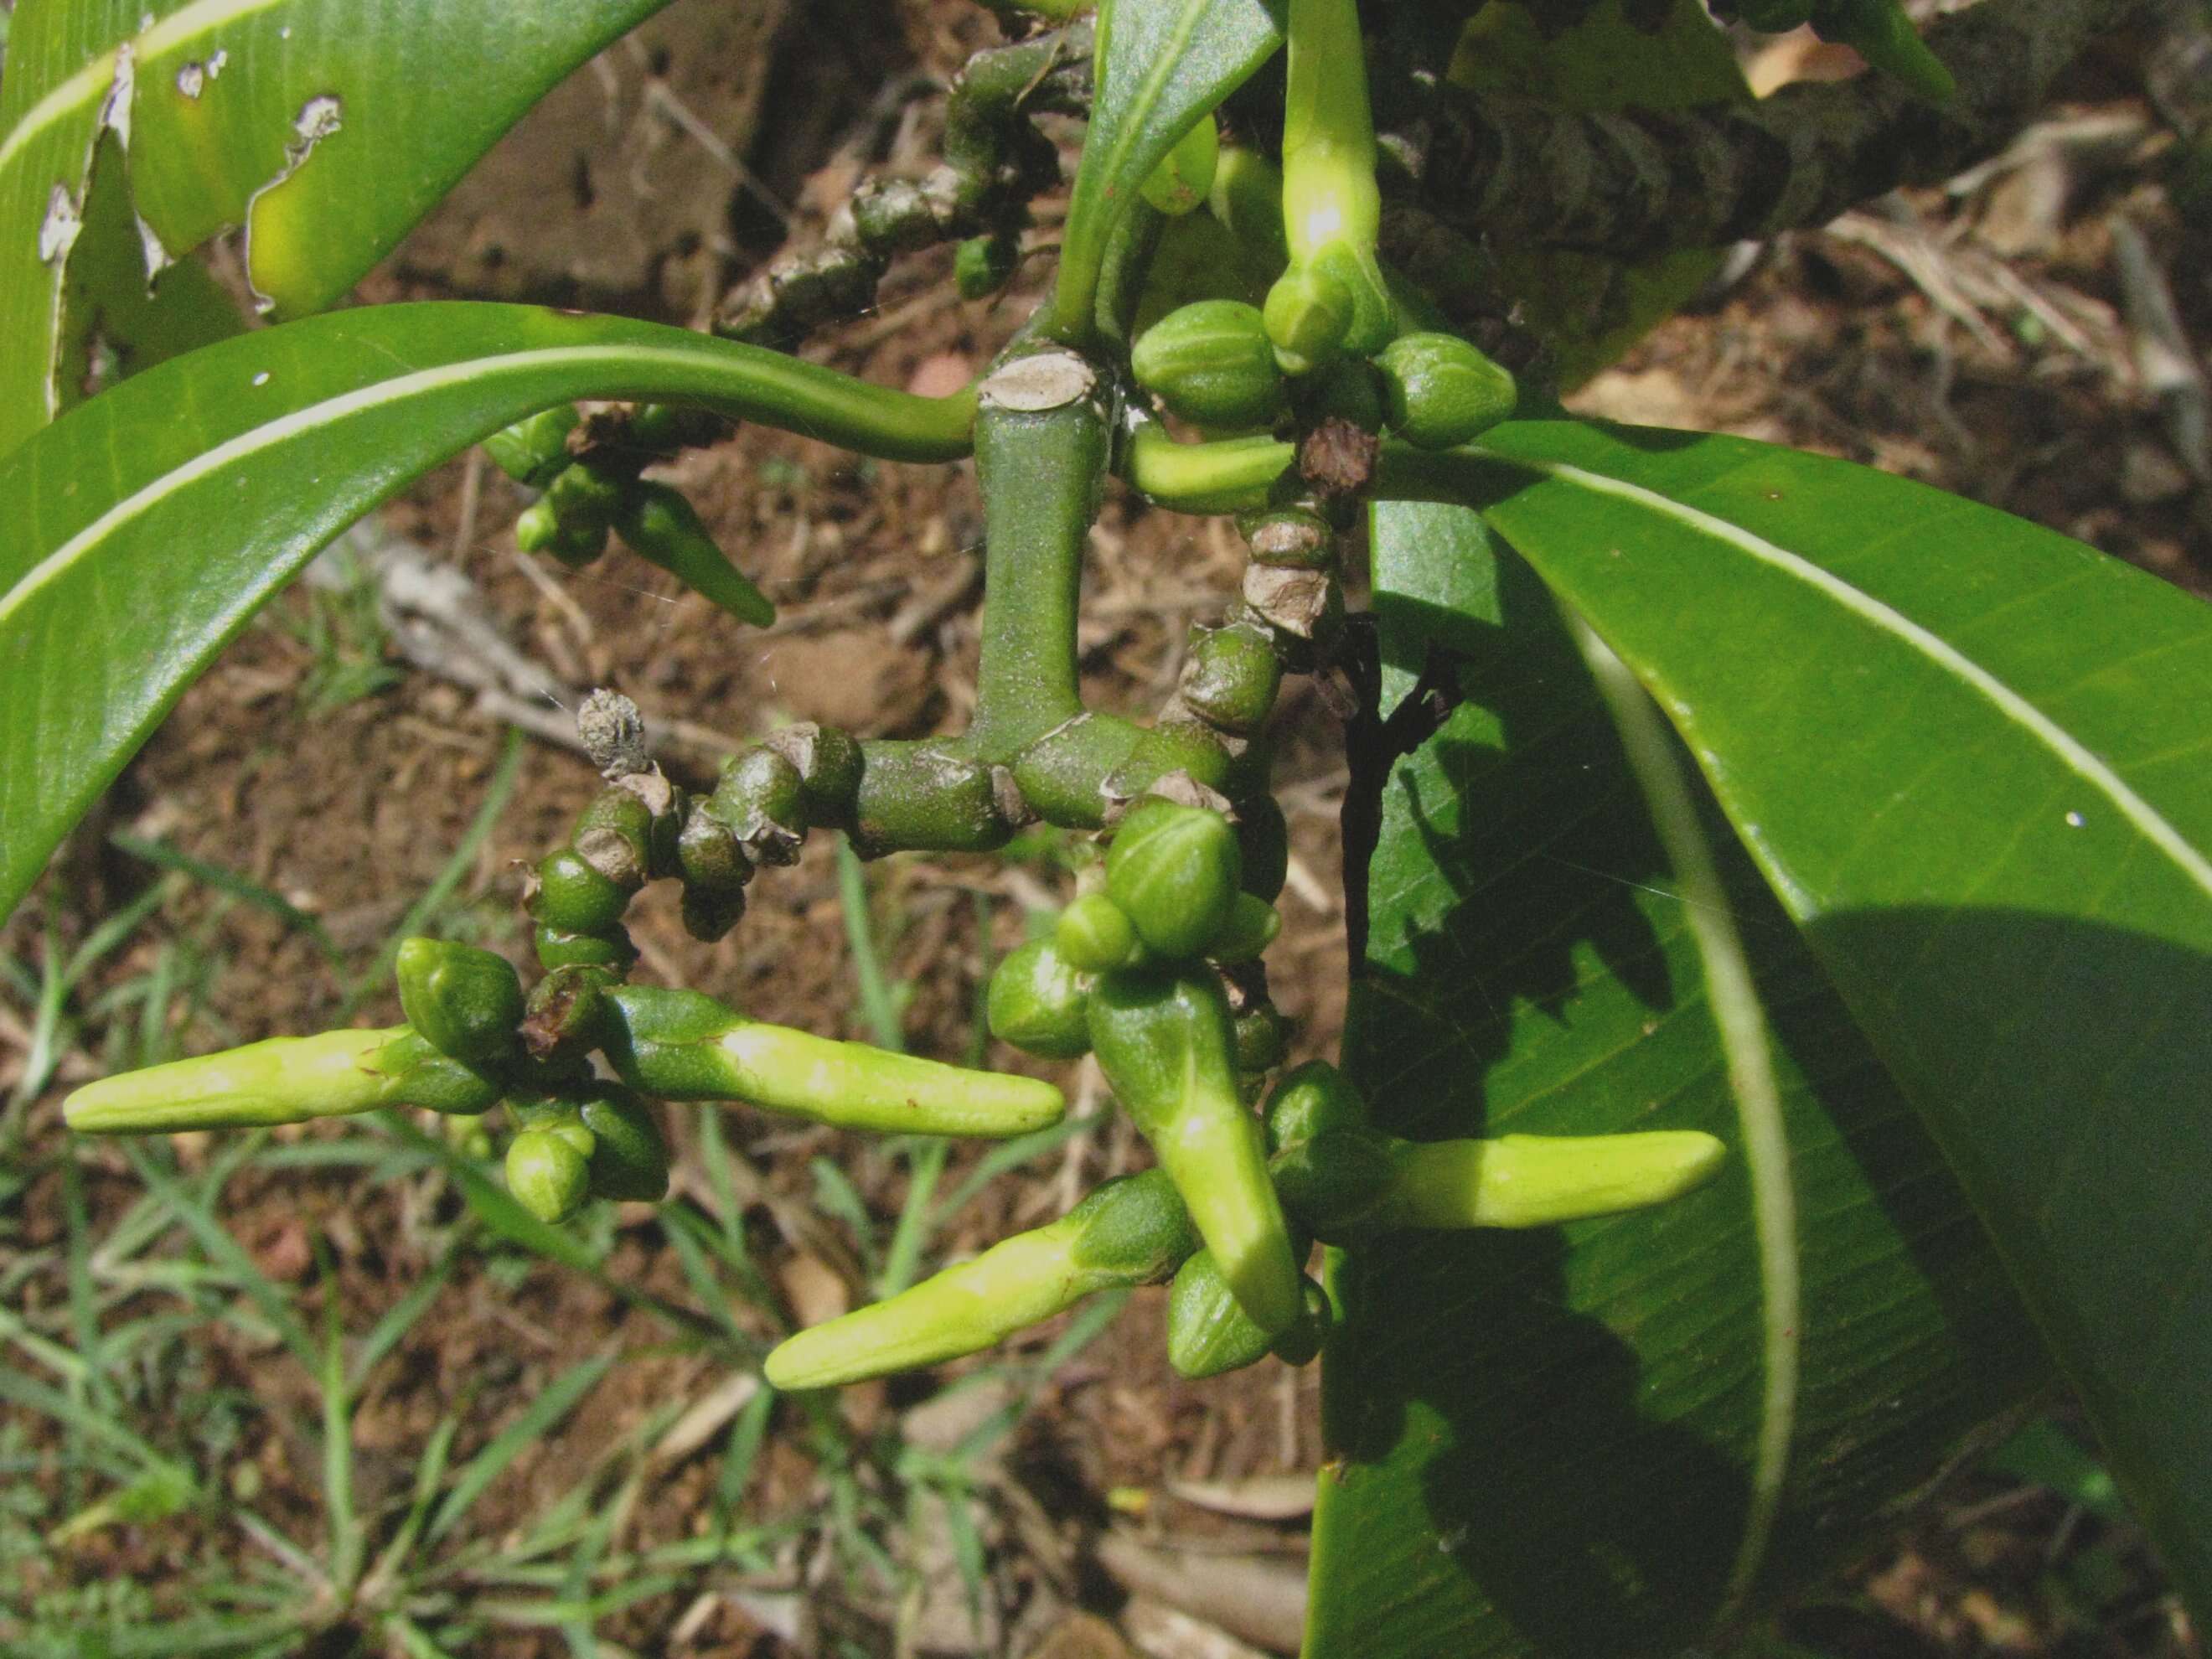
(1211, 362)
(628, 1158)
(1130, 1231)
(1442, 391)
(282, 1080)
(1175, 871)
(573, 897)
(1037, 1003)
(681, 1045)
(465, 1002)
(1185, 174)
(535, 447)
(547, 1175)
(1537, 1181)
(1251, 929)
(1165, 1045)
(1093, 935)
(559, 949)
(1231, 676)
(657, 524)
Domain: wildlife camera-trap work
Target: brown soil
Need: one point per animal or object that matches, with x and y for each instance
(1826, 343)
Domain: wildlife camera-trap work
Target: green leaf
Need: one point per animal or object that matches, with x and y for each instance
(324, 128)
(1970, 755)
(1162, 64)
(144, 527)
(1593, 1440)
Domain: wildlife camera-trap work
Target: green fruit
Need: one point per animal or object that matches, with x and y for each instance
(1174, 870)
(1211, 362)
(1251, 929)
(574, 897)
(1231, 675)
(1037, 1002)
(983, 265)
(1262, 1035)
(1441, 392)
(658, 524)
(1312, 1099)
(1208, 1333)
(1094, 934)
(547, 1175)
(465, 1002)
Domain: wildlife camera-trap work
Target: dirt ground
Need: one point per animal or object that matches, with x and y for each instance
(1986, 339)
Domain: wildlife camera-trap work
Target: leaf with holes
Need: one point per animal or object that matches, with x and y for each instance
(1970, 756)
(303, 120)
(145, 526)
(1593, 1440)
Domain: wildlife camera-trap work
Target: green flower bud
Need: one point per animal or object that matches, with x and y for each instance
(539, 530)
(1175, 871)
(615, 835)
(586, 500)
(282, 1080)
(574, 897)
(983, 265)
(1307, 316)
(1352, 267)
(1539, 1180)
(1263, 842)
(1251, 929)
(657, 524)
(1211, 362)
(535, 448)
(1093, 934)
(1166, 1047)
(1129, 1231)
(760, 797)
(715, 870)
(1209, 1334)
(1331, 1182)
(1185, 174)
(681, 1045)
(1301, 1343)
(664, 429)
(547, 1175)
(1342, 389)
(1037, 1003)
(1443, 391)
(559, 949)
(1262, 1035)
(1309, 1100)
(466, 1002)
(469, 1137)
(1231, 676)
(629, 1157)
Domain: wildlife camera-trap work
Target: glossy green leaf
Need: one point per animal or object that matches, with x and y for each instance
(320, 126)
(1595, 1440)
(1972, 757)
(145, 526)
(1162, 64)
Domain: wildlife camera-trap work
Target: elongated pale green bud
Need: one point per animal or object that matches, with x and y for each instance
(656, 523)
(1538, 1181)
(681, 1045)
(1130, 1231)
(1169, 1054)
(1185, 174)
(282, 1080)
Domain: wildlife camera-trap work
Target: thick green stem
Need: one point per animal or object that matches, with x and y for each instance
(1041, 454)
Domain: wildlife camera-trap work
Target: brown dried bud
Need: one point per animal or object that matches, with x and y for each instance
(1337, 458)
(1295, 539)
